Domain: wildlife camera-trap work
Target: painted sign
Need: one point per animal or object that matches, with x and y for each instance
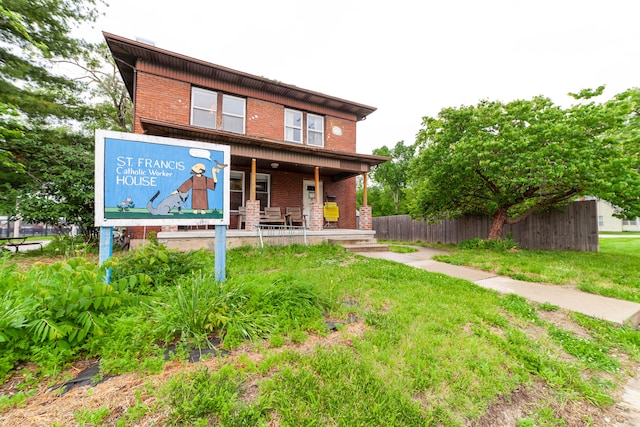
(150, 180)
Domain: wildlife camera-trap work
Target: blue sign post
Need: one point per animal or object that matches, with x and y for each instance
(106, 248)
(220, 252)
(147, 180)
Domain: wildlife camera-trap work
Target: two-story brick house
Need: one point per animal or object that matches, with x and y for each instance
(290, 147)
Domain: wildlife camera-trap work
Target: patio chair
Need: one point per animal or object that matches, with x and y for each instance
(242, 217)
(272, 215)
(294, 216)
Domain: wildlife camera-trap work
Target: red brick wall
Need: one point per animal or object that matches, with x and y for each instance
(345, 192)
(286, 190)
(162, 98)
(333, 140)
(265, 119)
(163, 94)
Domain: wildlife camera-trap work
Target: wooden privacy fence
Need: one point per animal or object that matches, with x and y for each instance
(574, 227)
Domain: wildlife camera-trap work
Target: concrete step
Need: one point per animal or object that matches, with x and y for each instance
(367, 247)
(352, 241)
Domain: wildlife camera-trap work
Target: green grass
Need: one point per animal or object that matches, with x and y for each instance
(429, 349)
(612, 272)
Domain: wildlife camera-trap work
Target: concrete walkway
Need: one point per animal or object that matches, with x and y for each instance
(613, 310)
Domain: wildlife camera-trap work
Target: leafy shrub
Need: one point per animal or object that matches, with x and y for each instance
(129, 343)
(191, 310)
(70, 299)
(166, 267)
(294, 303)
(492, 244)
(67, 245)
(49, 312)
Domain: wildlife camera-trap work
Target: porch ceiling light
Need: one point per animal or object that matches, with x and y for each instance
(275, 165)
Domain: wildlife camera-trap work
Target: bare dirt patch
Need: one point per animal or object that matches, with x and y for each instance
(122, 392)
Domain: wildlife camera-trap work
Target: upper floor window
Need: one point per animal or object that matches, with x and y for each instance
(233, 113)
(204, 111)
(315, 130)
(204, 107)
(293, 128)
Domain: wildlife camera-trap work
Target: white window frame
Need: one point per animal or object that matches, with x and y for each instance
(242, 116)
(267, 178)
(292, 126)
(213, 110)
(239, 174)
(315, 131)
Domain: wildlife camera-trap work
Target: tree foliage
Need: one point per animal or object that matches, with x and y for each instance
(509, 160)
(393, 175)
(31, 34)
(46, 118)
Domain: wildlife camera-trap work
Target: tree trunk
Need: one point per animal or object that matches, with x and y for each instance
(396, 198)
(499, 218)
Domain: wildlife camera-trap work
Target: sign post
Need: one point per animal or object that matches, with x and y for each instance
(220, 253)
(106, 248)
(144, 180)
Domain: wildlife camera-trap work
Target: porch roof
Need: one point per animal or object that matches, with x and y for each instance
(289, 157)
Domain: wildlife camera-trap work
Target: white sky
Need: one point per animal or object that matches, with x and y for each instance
(407, 58)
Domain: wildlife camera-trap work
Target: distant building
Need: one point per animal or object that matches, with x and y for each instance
(608, 222)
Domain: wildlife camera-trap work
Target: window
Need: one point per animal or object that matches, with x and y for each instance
(293, 126)
(233, 114)
(600, 220)
(263, 189)
(315, 130)
(204, 111)
(204, 107)
(236, 190)
(629, 221)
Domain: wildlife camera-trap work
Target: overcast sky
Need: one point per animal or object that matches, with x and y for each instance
(407, 58)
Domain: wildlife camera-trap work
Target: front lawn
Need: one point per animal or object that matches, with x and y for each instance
(311, 336)
(612, 272)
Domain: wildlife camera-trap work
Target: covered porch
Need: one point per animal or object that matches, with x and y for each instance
(269, 173)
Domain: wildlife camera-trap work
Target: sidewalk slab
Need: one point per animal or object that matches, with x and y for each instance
(597, 306)
(610, 309)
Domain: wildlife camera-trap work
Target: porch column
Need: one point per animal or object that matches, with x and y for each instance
(316, 212)
(253, 215)
(364, 190)
(366, 222)
(252, 205)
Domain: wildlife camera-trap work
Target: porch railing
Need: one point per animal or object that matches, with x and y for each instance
(281, 235)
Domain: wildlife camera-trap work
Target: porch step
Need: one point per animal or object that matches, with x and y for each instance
(359, 245)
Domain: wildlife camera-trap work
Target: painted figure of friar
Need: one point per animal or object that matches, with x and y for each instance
(199, 184)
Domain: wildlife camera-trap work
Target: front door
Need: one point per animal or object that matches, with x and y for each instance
(309, 194)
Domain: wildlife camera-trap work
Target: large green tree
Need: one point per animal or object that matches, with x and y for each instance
(46, 159)
(509, 160)
(393, 175)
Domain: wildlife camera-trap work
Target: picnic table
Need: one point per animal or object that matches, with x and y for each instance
(6, 243)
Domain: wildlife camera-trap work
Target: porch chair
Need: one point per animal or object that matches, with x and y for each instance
(294, 216)
(272, 215)
(331, 214)
(242, 217)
